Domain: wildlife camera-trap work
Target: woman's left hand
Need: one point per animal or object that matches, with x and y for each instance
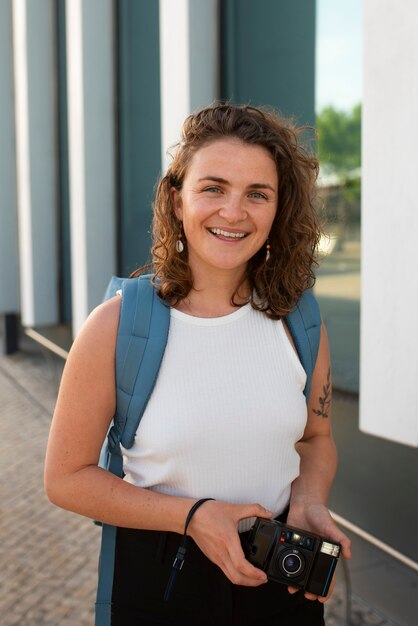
(316, 518)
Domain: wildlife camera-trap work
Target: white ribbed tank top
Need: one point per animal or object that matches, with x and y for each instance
(225, 413)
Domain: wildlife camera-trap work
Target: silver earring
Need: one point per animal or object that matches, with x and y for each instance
(179, 244)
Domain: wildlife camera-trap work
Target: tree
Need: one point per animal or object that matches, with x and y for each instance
(339, 139)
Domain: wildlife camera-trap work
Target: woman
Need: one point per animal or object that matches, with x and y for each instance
(235, 235)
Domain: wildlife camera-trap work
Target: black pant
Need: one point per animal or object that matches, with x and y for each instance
(201, 596)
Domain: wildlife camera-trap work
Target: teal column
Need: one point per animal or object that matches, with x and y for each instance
(64, 250)
(268, 54)
(139, 127)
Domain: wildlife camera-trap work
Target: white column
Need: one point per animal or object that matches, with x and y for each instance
(389, 305)
(91, 124)
(189, 63)
(36, 143)
(9, 262)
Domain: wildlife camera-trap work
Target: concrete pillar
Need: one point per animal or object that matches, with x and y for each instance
(389, 301)
(36, 150)
(9, 261)
(189, 63)
(91, 124)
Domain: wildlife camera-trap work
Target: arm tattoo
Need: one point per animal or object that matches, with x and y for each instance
(325, 399)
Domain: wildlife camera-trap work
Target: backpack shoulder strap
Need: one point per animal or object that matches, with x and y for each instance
(143, 332)
(114, 287)
(142, 337)
(304, 323)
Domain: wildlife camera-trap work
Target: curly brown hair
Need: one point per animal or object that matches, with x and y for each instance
(295, 232)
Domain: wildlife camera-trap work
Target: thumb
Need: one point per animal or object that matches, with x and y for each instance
(254, 510)
(346, 547)
(345, 542)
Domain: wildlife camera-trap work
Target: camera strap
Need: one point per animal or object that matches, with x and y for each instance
(181, 552)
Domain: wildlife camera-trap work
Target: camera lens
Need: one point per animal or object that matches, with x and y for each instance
(292, 563)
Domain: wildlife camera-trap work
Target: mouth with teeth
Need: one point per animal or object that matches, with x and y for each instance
(226, 235)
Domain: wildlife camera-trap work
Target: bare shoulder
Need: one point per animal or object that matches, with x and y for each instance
(87, 397)
(88, 383)
(98, 334)
(104, 318)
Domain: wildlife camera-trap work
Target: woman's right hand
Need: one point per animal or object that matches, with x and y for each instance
(214, 528)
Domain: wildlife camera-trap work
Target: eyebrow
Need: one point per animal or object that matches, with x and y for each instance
(218, 179)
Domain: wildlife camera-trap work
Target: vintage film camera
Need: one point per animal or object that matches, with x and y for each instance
(292, 556)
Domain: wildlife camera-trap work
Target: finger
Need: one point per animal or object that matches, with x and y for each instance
(333, 533)
(237, 577)
(253, 510)
(345, 544)
(312, 596)
(241, 564)
(236, 567)
(346, 547)
(337, 535)
(308, 596)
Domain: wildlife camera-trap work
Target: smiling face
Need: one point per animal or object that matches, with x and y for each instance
(227, 205)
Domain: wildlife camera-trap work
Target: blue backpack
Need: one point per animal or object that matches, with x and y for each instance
(142, 337)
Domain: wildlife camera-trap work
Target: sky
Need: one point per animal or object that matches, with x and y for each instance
(338, 53)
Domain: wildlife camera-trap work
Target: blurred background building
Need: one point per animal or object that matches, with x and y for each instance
(93, 94)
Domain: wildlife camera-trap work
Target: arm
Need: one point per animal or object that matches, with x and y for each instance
(73, 481)
(83, 412)
(318, 460)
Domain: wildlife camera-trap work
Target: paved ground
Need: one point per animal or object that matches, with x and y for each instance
(49, 556)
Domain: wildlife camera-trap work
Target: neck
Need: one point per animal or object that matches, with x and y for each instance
(211, 296)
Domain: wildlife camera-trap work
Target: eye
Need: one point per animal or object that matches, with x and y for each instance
(213, 189)
(258, 195)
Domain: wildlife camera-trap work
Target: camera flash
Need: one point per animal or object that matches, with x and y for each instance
(330, 548)
(296, 537)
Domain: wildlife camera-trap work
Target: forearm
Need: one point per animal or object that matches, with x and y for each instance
(98, 494)
(318, 463)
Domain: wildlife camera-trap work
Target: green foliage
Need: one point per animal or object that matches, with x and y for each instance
(339, 139)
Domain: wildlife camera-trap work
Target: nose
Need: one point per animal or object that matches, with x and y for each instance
(233, 209)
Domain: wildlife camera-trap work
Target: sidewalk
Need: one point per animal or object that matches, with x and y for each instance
(49, 556)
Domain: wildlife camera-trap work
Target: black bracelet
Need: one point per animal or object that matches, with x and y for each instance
(181, 552)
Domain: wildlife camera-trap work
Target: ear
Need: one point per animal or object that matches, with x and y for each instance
(176, 203)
